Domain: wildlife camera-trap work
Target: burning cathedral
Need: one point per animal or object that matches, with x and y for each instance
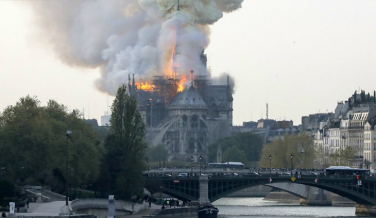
(157, 49)
(184, 118)
(183, 107)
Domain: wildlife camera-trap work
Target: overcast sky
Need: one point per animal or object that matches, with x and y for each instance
(300, 57)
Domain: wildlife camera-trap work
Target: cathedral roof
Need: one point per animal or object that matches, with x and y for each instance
(189, 98)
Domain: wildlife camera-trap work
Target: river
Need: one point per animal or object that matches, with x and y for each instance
(257, 207)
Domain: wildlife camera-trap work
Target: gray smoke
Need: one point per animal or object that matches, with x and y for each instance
(223, 78)
(129, 36)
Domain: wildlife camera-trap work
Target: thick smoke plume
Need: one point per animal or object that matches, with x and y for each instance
(125, 37)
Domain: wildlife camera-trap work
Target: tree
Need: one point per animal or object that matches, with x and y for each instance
(248, 143)
(83, 150)
(319, 157)
(125, 146)
(342, 157)
(300, 146)
(345, 155)
(157, 153)
(33, 144)
(101, 133)
(234, 154)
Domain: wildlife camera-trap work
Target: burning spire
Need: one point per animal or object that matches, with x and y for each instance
(175, 64)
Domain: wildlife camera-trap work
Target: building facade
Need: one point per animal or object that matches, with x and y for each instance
(351, 128)
(187, 121)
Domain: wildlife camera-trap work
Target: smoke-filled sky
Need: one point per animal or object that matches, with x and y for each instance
(130, 36)
(300, 57)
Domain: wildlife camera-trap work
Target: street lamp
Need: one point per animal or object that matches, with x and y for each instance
(270, 160)
(160, 195)
(68, 134)
(200, 164)
(191, 165)
(291, 156)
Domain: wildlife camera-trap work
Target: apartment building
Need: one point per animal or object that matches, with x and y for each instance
(352, 125)
(369, 152)
(334, 140)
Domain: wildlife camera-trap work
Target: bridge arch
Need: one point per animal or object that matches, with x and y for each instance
(221, 186)
(363, 194)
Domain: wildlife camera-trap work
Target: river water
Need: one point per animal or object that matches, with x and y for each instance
(257, 207)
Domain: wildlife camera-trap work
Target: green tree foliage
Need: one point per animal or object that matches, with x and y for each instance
(319, 157)
(157, 153)
(346, 155)
(125, 146)
(234, 154)
(101, 133)
(249, 144)
(33, 144)
(301, 146)
(342, 157)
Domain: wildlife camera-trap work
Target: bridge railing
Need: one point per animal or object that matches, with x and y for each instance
(197, 170)
(234, 174)
(174, 172)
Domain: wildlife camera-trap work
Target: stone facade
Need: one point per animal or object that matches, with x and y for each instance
(189, 121)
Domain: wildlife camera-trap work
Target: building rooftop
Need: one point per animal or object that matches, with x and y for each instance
(189, 98)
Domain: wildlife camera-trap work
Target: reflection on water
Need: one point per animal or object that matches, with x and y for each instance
(257, 207)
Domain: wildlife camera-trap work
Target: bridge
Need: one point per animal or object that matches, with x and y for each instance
(206, 188)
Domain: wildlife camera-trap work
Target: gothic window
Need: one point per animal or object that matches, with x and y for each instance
(185, 120)
(194, 121)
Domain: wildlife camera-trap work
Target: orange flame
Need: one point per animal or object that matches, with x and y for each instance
(144, 86)
(181, 83)
(169, 64)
